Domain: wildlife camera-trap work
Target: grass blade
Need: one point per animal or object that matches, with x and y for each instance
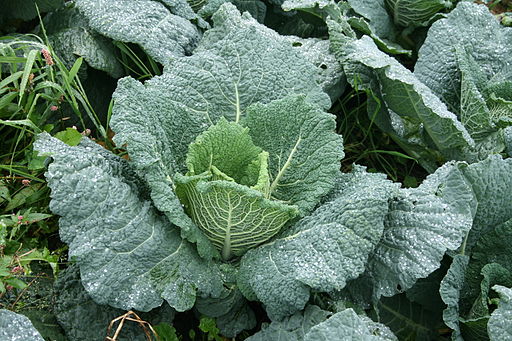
(31, 58)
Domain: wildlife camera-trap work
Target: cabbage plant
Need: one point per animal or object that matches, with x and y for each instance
(456, 105)
(233, 193)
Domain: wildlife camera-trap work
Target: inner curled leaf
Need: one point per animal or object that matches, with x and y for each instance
(226, 190)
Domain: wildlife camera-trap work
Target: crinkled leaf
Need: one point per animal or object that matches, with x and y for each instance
(473, 112)
(17, 327)
(330, 74)
(71, 37)
(422, 224)
(183, 8)
(500, 322)
(83, 319)
(450, 290)
(291, 328)
(492, 254)
(129, 255)
(466, 287)
(148, 23)
(234, 217)
(304, 160)
(322, 251)
(473, 27)
(158, 120)
(491, 183)
(228, 147)
(415, 12)
(347, 325)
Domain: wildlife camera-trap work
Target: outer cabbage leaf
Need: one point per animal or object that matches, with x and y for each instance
(84, 320)
(304, 160)
(491, 182)
(415, 12)
(184, 9)
(330, 73)
(323, 250)
(148, 23)
(17, 327)
(473, 27)
(70, 36)
(422, 224)
(220, 80)
(450, 290)
(257, 8)
(130, 257)
(500, 325)
(315, 324)
(292, 328)
(400, 104)
(347, 325)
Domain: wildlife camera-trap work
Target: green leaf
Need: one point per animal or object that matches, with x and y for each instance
(421, 225)
(291, 328)
(450, 290)
(163, 35)
(31, 58)
(415, 12)
(234, 217)
(24, 196)
(477, 30)
(346, 325)
(70, 136)
(227, 147)
(500, 325)
(490, 180)
(304, 160)
(166, 332)
(337, 238)
(97, 196)
(208, 326)
(168, 112)
(17, 327)
(70, 36)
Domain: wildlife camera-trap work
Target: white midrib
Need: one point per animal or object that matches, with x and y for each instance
(226, 248)
(285, 166)
(237, 105)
